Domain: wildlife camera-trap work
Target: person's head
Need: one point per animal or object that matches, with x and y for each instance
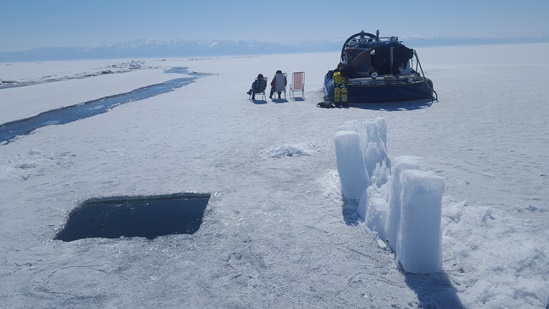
(278, 72)
(260, 76)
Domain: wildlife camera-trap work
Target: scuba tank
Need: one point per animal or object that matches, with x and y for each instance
(337, 94)
(343, 91)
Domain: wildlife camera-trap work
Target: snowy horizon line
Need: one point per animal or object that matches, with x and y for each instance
(185, 48)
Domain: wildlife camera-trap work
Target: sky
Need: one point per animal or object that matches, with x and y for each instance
(28, 24)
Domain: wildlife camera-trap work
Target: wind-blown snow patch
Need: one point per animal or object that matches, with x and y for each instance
(34, 163)
(287, 150)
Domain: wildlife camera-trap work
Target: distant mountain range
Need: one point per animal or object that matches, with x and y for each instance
(182, 48)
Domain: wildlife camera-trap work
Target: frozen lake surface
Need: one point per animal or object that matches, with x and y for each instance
(274, 233)
(91, 108)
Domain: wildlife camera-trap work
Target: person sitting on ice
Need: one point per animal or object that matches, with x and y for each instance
(258, 86)
(278, 84)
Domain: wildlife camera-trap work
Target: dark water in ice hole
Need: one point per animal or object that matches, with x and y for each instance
(10, 130)
(137, 216)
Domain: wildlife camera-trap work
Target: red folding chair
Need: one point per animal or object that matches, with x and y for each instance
(298, 84)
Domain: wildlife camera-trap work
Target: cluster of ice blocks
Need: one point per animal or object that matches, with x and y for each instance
(398, 199)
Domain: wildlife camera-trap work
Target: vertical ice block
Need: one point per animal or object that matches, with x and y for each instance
(392, 222)
(375, 150)
(419, 248)
(350, 164)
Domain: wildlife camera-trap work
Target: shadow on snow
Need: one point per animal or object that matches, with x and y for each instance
(394, 106)
(386, 106)
(261, 101)
(433, 290)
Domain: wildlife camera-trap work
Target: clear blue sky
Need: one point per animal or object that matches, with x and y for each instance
(27, 24)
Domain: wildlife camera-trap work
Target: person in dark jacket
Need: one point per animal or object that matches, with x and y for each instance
(258, 85)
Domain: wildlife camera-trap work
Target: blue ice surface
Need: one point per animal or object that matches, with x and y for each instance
(11, 130)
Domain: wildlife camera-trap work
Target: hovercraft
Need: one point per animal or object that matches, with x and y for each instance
(376, 69)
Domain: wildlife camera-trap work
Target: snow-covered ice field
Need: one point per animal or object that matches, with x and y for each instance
(274, 233)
